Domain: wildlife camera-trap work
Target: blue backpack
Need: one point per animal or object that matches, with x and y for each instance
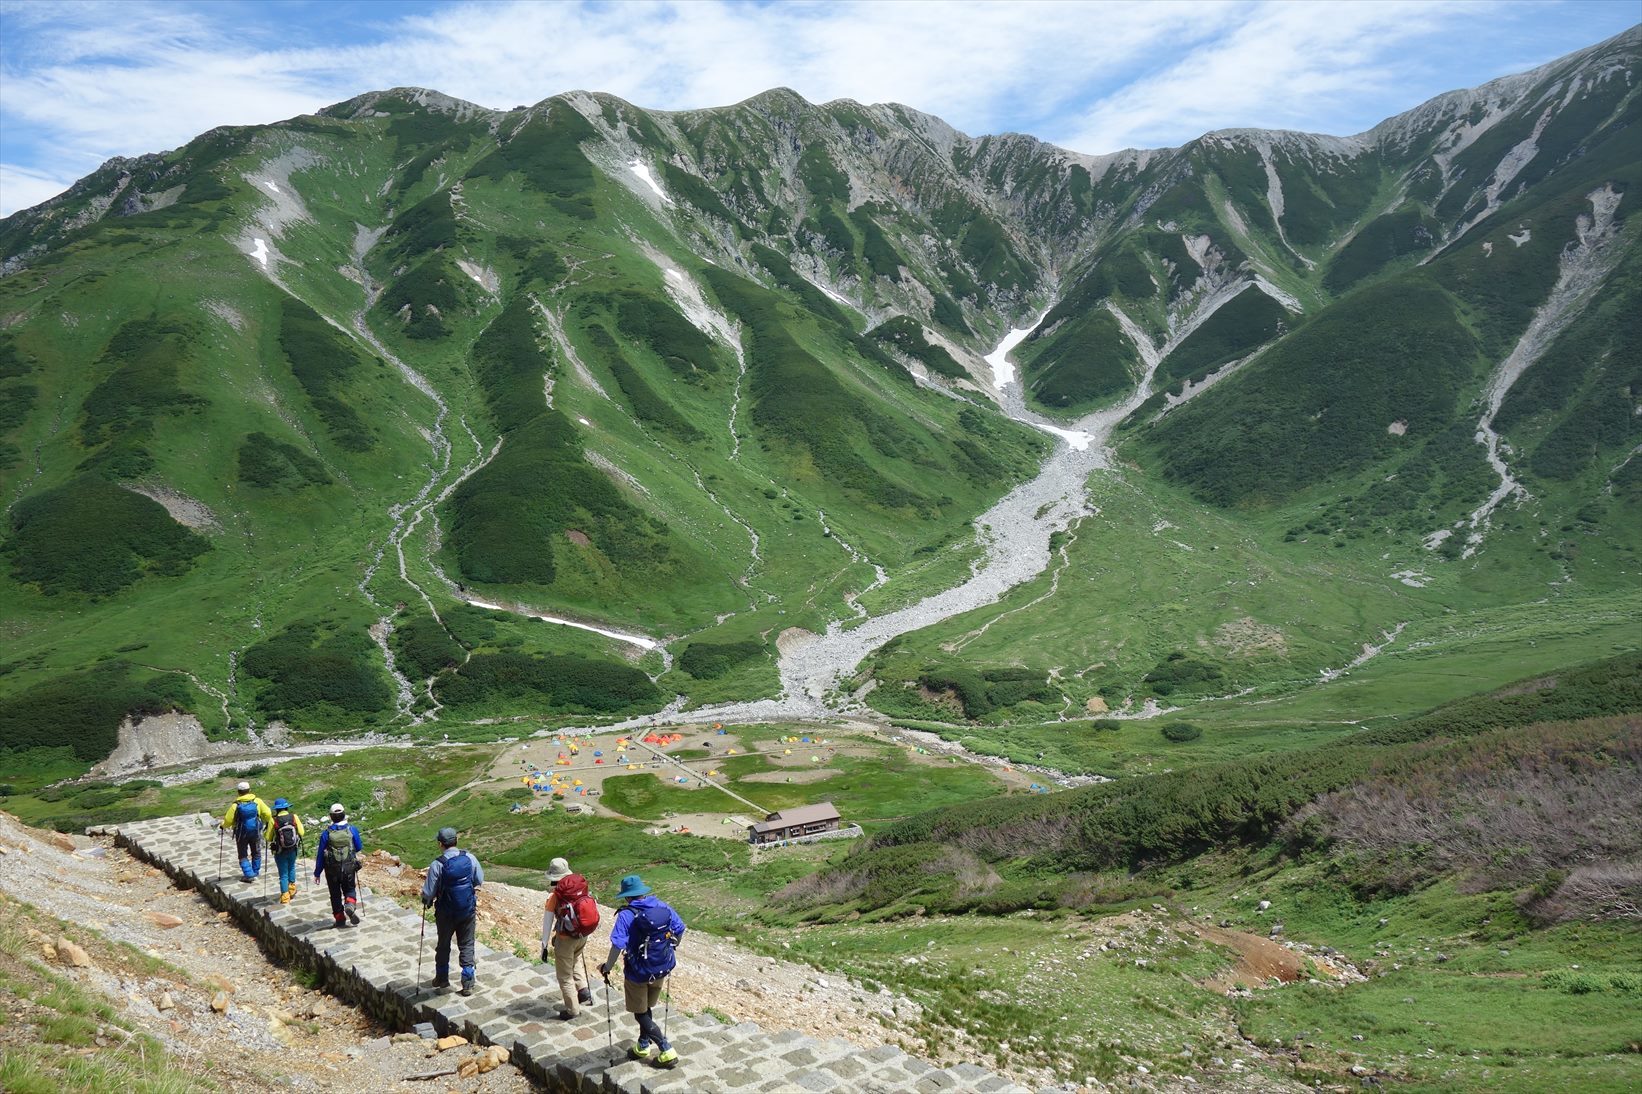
(650, 953)
(457, 899)
(246, 819)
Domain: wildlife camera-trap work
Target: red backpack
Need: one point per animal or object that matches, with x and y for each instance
(578, 914)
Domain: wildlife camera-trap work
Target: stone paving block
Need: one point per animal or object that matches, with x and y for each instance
(845, 1067)
(967, 1072)
(931, 1081)
(818, 1081)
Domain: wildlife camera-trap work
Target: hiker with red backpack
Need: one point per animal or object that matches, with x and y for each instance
(286, 840)
(572, 917)
(338, 859)
(645, 936)
(249, 818)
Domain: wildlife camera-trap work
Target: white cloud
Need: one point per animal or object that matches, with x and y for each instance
(23, 187)
(1302, 66)
(83, 82)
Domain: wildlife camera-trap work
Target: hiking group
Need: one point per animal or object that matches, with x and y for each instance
(257, 827)
(644, 936)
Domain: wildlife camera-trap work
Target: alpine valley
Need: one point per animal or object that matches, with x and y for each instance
(1275, 501)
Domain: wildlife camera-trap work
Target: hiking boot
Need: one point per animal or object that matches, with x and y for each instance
(440, 982)
(284, 898)
(339, 924)
(566, 1015)
(353, 914)
(639, 1052)
(585, 997)
(467, 987)
(291, 888)
(668, 1059)
(247, 879)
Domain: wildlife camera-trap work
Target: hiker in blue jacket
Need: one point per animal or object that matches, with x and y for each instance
(452, 891)
(338, 859)
(645, 936)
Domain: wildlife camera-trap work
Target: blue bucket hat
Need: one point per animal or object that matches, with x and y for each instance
(631, 886)
(281, 803)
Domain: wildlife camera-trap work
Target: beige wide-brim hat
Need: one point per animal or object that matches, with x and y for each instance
(557, 869)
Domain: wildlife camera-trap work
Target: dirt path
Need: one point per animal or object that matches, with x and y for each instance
(275, 1033)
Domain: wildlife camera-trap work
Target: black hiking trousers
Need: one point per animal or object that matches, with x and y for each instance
(342, 888)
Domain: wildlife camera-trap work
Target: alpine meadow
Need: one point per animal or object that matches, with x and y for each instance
(1209, 577)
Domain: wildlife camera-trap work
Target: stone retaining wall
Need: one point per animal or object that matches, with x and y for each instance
(374, 967)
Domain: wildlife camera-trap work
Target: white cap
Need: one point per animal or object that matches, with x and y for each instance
(337, 810)
(243, 786)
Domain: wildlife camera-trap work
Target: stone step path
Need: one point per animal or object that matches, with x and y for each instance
(374, 966)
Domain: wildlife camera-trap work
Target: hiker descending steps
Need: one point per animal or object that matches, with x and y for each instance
(572, 916)
(286, 841)
(338, 859)
(645, 935)
(452, 891)
(248, 818)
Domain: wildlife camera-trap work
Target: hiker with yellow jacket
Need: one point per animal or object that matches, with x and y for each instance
(249, 818)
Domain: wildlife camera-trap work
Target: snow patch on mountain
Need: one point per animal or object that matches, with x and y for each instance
(639, 168)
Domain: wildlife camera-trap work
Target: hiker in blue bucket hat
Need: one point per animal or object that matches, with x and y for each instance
(645, 936)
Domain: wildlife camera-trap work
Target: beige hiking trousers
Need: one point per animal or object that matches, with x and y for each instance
(567, 963)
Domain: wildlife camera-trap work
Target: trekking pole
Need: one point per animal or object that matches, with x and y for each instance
(609, 1037)
(666, 1006)
(220, 834)
(419, 944)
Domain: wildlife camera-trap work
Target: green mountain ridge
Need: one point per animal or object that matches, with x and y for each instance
(279, 403)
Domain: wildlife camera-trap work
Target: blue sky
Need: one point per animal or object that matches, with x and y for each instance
(83, 81)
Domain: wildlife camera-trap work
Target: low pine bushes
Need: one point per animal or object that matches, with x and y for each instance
(318, 671)
(94, 538)
(568, 682)
(275, 465)
(321, 359)
(84, 709)
(710, 660)
(642, 400)
(423, 648)
(546, 153)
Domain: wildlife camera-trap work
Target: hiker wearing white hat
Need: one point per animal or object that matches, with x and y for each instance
(249, 818)
(572, 915)
(338, 859)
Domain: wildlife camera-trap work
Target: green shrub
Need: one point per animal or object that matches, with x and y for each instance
(905, 334)
(84, 709)
(645, 404)
(1178, 672)
(1181, 732)
(274, 465)
(94, 538)
(1246, 322)
(423, 648)
(510, 366)
(321, 359)
(509, 519)
(567, 682)
(421, 297)
(797, 401)
(546, 152)
(671, 337)
(1317, 405)
(710, 660)
(314, 668)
